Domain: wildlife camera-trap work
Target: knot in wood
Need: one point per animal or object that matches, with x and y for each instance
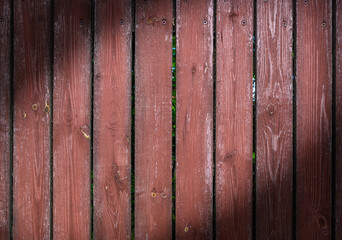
(270, 109)
(322, 222)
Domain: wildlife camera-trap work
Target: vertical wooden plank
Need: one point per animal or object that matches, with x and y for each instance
(194, 130)
(31, 136)
(112, 120)
(153, 119)
(234, 119)
(314, 119)
(5, 27)
(71, 126)
(274, 120)
(338, 117)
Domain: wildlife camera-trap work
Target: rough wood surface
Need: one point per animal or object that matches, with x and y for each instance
(112, 120)
(5, 25)
(314, 119)
(194, 120)
(31, 136)
(71, 125)
(234, 119)
(338, 118)
(153, 120)
(274, 156)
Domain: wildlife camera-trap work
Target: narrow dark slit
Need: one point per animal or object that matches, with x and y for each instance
(174, 121)
(11, 118)
(254, 117)
(92, 28)
(133, 125)
(51, 116)
(214, 121)
(294, 127)
(333, 164)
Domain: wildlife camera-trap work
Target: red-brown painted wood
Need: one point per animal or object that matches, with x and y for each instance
(5, 27)
(194, 130)
(338, 117)
(274, 158)
(314, 135)
(234, 119)
(153, 120)
(112, 120)
(71, 123)
(31, 136)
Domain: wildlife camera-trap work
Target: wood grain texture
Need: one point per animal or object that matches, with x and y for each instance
(153, 119)
(274, 120)
(338, 118)
(5, 27)
(314, 120)
(31, 134)
(234, 119)
(194, 120)
(112, 120)
(71, 126)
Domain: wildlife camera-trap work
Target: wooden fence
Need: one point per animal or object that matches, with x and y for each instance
(107, 132)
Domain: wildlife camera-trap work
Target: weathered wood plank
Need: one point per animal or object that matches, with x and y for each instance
(274, 120)
(71, 126)
(314, 119)
(31, 136)
(194, 130)
(112, 120)
(234, 119)
(338, 117)
(5, 27)
(153, 119)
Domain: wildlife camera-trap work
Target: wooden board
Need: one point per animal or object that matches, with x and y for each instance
(338, 118)
(31, 134)
(71, 123)
(234, 119)
(5, 71)
(194, 120)
(313, 214)
(112, 120)
(153, 119)
(274, 158)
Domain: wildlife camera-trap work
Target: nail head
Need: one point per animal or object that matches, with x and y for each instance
(164, 21)
(243, 22)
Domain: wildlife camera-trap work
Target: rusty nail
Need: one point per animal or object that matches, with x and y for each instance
(122, 21)
(35, 106)
(149, 21)
(243, 22)
(186, 229)
(205, 21)
(284, 24)
(324, 24)
(155, 19)
(164, 21)
(153, 194)
(47, 108)
(24, 115)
